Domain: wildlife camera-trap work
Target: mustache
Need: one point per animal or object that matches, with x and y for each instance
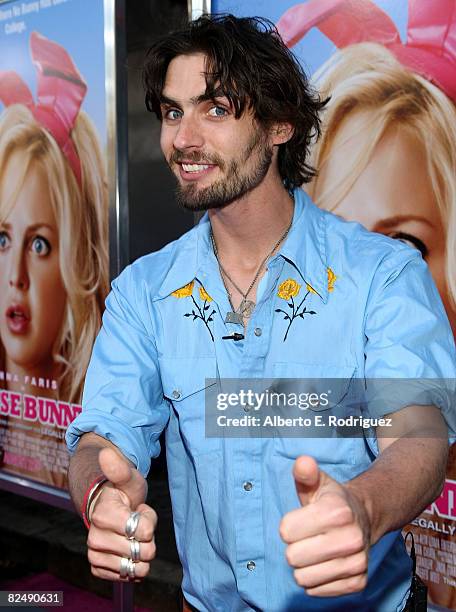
(197, 157)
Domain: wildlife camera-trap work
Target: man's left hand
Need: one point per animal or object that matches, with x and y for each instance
(329, 536)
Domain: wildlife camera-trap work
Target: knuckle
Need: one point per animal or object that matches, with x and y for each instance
(290, 555)
(360, 564)
(96, 571)
(357, 583)
(92, 540)
(284, 531)
(300, 578)
(154, 517)
(148, 551)
(92, 557)
(142, 570)
(148, 532)
(356, 541)
(342, 514)
(98, 517)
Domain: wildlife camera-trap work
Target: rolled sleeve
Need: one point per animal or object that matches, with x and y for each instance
(408, 337)
(123, 396)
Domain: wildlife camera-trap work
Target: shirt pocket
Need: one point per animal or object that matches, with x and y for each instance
(186, 381)
(336, 453)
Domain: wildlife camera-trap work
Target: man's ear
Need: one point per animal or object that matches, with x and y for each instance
(281, 133)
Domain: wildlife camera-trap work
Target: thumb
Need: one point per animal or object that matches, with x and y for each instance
(123, 476)
(308, 479)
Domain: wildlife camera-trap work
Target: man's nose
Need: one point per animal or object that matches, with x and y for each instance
(189, 134)
(18, 276)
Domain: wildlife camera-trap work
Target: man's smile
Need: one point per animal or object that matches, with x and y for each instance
(194, 167)
(192, 171)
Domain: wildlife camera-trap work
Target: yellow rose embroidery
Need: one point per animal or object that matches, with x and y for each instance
(288, 289)
(199, 311)
(204, 295)
(184, 291)
(331, 279)
(310, 288)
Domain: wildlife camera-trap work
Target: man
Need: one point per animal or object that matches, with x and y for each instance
(266, 286)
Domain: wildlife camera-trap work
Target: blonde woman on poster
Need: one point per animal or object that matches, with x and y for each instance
(387, 157)
(53, 238)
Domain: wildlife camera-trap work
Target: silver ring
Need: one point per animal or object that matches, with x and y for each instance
(132, 525)
(124, 567)
(131, 569)
(134, 550)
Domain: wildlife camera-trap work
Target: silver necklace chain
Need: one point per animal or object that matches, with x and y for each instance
(246, 307)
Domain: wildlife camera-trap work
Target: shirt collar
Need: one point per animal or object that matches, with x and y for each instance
(189, 256)
(304, 249)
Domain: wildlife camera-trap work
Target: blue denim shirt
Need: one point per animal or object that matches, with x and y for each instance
(376, 312)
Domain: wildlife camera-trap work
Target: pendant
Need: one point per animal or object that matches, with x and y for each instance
(246, 308)
(234, 317)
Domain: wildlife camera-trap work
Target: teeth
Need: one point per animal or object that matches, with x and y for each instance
(194, 167)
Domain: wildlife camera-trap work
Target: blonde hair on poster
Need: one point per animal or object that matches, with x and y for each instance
(82, 220)
(364, 77)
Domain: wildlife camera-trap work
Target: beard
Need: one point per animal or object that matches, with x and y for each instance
(236, 182)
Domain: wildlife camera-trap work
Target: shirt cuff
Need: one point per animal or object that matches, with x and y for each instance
(129, 440)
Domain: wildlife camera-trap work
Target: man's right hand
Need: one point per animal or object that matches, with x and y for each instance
(124, 493)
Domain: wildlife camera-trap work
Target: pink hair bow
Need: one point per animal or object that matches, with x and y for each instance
(61, 90)
(430, 49)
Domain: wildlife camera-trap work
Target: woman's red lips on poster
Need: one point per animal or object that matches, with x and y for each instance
(18, 319)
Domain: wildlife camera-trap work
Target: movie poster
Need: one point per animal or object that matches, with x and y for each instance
(386, 159)
(53, 224)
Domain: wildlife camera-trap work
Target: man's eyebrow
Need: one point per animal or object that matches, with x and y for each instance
(195, 100)
(169, 101)
(213, 96)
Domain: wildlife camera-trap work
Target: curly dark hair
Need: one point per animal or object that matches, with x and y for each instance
(247, 62)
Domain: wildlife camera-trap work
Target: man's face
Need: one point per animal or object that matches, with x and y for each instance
(215, 157)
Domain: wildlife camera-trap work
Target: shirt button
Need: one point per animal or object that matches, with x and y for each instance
(248, 486)
(251, 566)
(257, 331)
(176, 394)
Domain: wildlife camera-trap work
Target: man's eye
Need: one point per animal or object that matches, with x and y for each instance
(41, 246)
(4, 241)
(217, 111)
(173, 114)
